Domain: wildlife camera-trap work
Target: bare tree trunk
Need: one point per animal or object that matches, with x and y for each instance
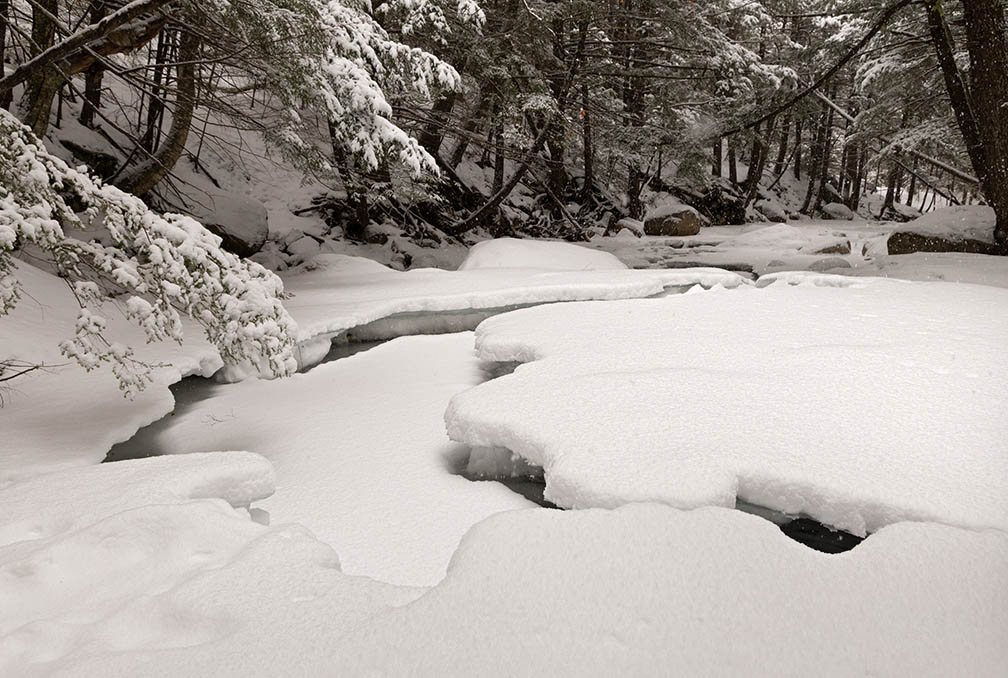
(815, 163)
(988, 50)
(782, 150)
(498, 179)
(93, 74)
(468, 129)
(732, 162)
(151, 171)
(912, 188)
(589, 151)
(762, 149)
(717, 150)
(798, 148)
(41, 87)
(5, 96)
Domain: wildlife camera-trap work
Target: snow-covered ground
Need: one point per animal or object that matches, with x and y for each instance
(859, 402)
(865, 403)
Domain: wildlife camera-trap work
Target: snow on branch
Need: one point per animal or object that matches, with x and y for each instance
(158, 266)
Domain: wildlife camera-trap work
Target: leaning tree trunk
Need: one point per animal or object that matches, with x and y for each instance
(988, 50)
(588, 147)
(959, 94)
(782, 150)
(5, 97)
(155, 168)
(93, 74)
(41, 87)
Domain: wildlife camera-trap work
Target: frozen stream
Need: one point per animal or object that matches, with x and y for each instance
(159, 438)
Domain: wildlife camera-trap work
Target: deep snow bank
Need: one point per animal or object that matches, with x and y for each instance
(860, 402)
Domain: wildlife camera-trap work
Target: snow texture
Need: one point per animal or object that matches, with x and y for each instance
(955, 223)
(360, 452)
(63, 416)
(554, 256)
(646, 589)
(860, 402)
(341, 292)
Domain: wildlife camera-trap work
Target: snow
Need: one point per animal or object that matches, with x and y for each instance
(953, 267)
(360, 453)
(84, 413)
(711, 592)
(761, 248)
(553, 256)
(337, 293)
(859, 402)
(110, 559)
(955, 223)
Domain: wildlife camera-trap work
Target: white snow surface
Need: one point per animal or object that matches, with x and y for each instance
(63, 416)
(955, 223)
(156, 554)
(341, 292)
(360, 453)
(643, 590)
(548, 255)
(860, 402)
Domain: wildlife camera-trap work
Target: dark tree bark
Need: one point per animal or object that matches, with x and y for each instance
(815, 163)
(589, 151)
(93, 74)
(732, 162)
(129, 27)
(42, 85)
(498, 179)
(987, 44)
(783, 148)
(151, 171)
(469, 129)
(5, 96)
(717, 149)
(798, 148)
(959, 95)
(762, 148)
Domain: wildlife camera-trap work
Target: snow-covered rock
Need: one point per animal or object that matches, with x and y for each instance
(772, 210)
(547, 255)
(672, 219)
(837, 210)
(858, 402)
(304, 246)
(242, 222)
(960, 228)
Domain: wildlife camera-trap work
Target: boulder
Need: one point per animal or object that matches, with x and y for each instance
(672, 220)
(101, 163)
(304, 246)
(829, 263)
(241, 222)
(836, 210)
(839, 248)
(772, 211)
(908, 242)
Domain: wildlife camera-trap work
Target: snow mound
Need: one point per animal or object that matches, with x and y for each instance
(859, 406)
(59, 502)
(547, 255)
(360, 452)
(975, 222)
(340, 292)
(710, 592)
